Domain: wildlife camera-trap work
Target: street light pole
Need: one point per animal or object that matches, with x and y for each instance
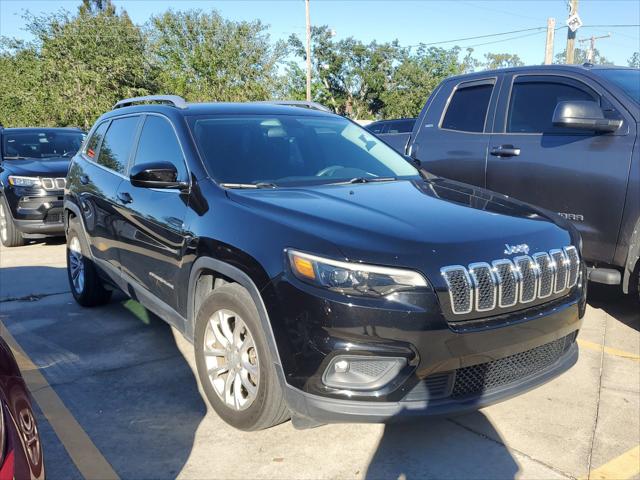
(308, 51)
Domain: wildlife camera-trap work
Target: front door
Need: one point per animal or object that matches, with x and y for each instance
(580, 174)
(150, 231)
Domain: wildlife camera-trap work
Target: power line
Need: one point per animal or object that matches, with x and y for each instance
(479, 36)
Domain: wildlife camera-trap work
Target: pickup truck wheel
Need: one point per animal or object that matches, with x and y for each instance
(234, 364)
(9, 234)
(86, 286)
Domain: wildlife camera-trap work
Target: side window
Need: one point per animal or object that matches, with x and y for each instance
(533, 102)
(158, 143)
(96, 138)
(116, 147)
(375, 128)
(467, 110)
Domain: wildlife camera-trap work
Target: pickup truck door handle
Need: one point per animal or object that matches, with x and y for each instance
(505, 151)
(84, 179)
(125, 197)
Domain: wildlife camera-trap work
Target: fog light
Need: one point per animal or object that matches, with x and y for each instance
(357, 372)
(341, 367)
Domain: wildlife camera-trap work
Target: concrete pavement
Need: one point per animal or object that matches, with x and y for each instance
(128, 381)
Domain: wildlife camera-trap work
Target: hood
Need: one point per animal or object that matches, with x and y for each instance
(423, 225)
(49, 167)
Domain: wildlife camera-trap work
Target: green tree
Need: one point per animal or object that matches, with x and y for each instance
(634, 61)
(581, 56)
(417, 75)
(349, 76)
(204, 57)
(94, 7)
(77, 67)
(501, 60)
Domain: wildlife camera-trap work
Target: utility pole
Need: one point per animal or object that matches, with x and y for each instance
(548, 50)
(308, 51)
(571, 34)
(592, 46)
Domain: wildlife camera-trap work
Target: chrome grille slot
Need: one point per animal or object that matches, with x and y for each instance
(485, 286)
(562, 270)
(459, 284)
(60, 183)
(505, 283)
(528, 272)
(547, 274)
(508, 280)
(47, 183)
(574, 265)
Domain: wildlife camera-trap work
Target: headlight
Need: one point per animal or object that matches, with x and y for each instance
(24, 181)
(352, 278)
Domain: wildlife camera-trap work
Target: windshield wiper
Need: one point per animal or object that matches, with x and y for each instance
(364, 180)
(249, 185)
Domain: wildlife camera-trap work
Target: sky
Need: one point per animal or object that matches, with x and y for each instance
(409, 21)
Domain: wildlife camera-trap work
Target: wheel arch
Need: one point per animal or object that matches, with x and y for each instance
(633, 258)
(217, 270)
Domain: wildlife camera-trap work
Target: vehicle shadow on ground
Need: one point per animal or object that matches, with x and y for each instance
(624, 308)
(431, 448)
(120, 373)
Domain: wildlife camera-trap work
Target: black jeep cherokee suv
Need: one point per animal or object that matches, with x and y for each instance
(319, 275)
(33, 167)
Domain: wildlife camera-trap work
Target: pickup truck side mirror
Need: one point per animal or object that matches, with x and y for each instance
(583, 114)
(156, 175)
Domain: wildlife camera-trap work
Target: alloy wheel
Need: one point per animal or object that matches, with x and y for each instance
(76, 265)
(3, 224)
(231, 359)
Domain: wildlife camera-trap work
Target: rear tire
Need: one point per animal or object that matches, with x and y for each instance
(234, 363)
(9, 234)
(86, 285)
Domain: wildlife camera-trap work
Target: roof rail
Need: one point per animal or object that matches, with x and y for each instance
(174, 100)
(301, 104)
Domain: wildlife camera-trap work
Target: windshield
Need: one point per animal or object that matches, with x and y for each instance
(291, 149)
(626, 79)
(40, 144)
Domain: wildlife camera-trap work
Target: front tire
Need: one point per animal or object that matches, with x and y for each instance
(234, 364)
(9, 234)
(86, 285)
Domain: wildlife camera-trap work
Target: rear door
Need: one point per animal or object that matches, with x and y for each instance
(578, 173)
(454, 133)
(151, 229)
(98, 178)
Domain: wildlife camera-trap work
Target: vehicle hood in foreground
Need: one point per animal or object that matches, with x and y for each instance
(418, 224)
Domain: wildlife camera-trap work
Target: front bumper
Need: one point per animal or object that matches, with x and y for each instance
(450, 367)
(36, 211)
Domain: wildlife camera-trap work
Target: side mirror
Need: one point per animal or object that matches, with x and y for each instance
(583, 114)
(156, 175)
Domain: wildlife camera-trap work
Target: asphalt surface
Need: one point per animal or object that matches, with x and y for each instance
(115, 389)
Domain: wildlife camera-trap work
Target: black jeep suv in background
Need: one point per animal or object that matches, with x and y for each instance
(33, 167)
(319, 275)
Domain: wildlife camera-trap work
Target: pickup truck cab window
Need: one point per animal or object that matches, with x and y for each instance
(533, 102)
(467, 109)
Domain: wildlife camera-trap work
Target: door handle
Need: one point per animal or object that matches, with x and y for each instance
(125, 197)
(505, 151)
(84, 179)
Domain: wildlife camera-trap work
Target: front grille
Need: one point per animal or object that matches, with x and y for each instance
(506, 283)
(478, 379)
(53, 183)
(53, 218)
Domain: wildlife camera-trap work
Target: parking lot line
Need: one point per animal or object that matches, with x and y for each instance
(623, 467)
(86, 456)
(611, 351)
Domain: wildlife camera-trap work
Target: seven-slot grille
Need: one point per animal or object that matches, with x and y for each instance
(504, 283)
(53, 183)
